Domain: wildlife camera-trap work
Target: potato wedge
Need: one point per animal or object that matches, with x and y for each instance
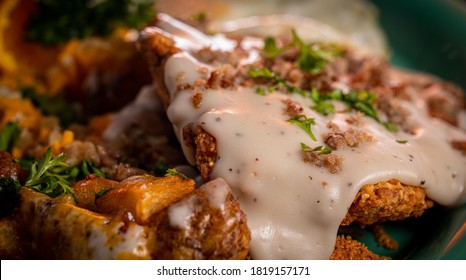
(144, 196)
(60, 230)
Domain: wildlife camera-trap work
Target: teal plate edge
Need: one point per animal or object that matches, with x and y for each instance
(428, 36)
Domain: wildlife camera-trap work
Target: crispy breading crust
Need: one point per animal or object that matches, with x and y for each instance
(384, 201)
(347, 248)
(210, 232)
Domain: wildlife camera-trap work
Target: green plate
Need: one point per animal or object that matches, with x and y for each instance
(430, 36)
(427, 35)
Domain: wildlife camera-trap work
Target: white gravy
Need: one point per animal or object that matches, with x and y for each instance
(294, 208)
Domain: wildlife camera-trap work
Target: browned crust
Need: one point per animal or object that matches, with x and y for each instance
(157, 48)
(385, 201)
(347, 248)
(211, 233)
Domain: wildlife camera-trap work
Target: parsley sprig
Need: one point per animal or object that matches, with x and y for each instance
(52, 176)
(311, 57)
(46, 175)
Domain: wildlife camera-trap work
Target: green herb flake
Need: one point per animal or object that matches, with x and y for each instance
(362, 101)
(261, 72)
(173, 172)
(270, 47)
(102, 192)
(402, 141)
(324, 108)
(261, 91)
(304, 123)
(82, 170)
(320, 149)
(313, 57)
(390, 126)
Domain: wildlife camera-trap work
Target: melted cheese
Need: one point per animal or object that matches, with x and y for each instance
(294, 208)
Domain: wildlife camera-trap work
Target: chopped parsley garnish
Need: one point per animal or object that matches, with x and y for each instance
(402, 141)
(324, 108)
(9, 135)
(270, 47)
(362, 101)
(173, 172)
(278, 82)
(261, 72)
(58, 21)
(305, 123)
(312, 58)
(321, 150)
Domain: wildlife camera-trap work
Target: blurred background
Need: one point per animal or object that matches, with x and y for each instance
(427, 35)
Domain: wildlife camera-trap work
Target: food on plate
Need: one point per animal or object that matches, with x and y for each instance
(311, 136)
(270, 139)
(192, 228)
(140, 217)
